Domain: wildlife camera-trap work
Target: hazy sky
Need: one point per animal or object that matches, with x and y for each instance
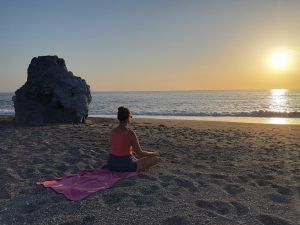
(154, 45)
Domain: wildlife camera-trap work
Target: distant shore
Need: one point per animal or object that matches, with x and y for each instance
(211, 173)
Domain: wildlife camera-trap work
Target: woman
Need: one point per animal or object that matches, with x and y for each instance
(123, 143)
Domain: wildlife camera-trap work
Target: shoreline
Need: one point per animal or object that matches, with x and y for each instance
(246, 120)
(210, 173)
(228, 119)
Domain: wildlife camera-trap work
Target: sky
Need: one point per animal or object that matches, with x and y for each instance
(139, 45)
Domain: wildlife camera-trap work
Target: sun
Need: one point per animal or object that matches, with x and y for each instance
(279, 60)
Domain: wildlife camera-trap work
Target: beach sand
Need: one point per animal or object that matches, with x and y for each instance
(211, 173)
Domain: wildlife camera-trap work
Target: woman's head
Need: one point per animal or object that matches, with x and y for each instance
(123, 114)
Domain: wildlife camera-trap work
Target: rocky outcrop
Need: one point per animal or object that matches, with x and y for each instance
(51, 94)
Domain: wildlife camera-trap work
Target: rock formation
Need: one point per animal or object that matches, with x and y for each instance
(51, 94)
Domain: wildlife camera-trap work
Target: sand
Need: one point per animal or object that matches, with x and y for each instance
(211, 173)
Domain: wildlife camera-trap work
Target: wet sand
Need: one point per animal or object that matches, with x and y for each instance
(211, 173)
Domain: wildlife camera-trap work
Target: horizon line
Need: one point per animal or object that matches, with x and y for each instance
(187, 90)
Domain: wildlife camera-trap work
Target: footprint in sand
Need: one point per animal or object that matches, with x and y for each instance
(73, 222)
(243, 179)
(234, 189)
(88, 220)
(272, 220)
(4, 194)
(199, 166)
(5, 175)
(191, 175)
(268, 177)
(164, 184)
(177, 172)
(166, 178)
(114, 197)
(61, 166)
(165, 199)
(296, 178)
(125, 183)
(149, 189)
(72, 159)
(278, 198)
(144, 201)
(284, 190)
(240, 208)
(176, 193)
(28, 208)
(14, 174)
(222, 207)
(176, 220)
(146, 177)
(202, 184)
(28, 171)
(219, 182)
(219, 207)
(263, 183)
(186, 184)
(219, 176)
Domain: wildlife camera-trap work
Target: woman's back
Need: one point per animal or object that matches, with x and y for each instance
(119, 140)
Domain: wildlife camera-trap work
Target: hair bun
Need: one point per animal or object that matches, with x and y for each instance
(123, 113)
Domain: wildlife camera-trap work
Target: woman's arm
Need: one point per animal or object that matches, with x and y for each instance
(137, 148)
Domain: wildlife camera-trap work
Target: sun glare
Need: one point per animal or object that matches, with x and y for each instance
(279, 60)
(278, 121)
(278, 92)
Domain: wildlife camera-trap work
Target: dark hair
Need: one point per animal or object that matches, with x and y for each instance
(123, 113)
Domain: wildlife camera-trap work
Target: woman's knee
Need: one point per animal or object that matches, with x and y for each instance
(156, 159)
(147, 162)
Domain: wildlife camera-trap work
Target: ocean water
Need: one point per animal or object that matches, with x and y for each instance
(213, 105)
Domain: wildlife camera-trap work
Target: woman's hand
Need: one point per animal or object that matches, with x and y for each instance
(155, 153)
(150, 153)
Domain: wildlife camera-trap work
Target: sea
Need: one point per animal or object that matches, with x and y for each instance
(275, 106)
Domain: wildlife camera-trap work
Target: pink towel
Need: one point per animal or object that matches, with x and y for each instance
(79, 186)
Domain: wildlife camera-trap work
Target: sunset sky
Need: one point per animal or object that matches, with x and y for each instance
(129, 45)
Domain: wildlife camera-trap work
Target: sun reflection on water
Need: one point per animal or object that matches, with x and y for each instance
(276, 92)
(278, 121)
(278, 100)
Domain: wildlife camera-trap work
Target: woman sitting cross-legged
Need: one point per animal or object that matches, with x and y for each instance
(124, 143)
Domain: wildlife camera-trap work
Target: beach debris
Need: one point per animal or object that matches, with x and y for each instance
(51, 94)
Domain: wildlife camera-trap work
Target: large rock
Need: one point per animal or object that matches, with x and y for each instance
(51, 94)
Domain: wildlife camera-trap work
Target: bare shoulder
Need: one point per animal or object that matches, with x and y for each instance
(131, 132)
(113, 129)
